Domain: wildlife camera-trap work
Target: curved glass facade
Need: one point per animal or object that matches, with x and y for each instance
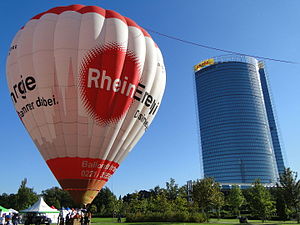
(271, 120)
(235, 136)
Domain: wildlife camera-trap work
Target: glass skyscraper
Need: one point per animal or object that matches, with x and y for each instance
(239, 139)
(271, 118)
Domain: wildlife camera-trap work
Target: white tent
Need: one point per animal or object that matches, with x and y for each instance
(12, 211)
(41, 207)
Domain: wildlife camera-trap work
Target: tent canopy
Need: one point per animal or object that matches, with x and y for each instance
(40, 207)
(12, 210)
(2, 209)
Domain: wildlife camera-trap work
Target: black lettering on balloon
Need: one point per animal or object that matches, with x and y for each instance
(22, 87)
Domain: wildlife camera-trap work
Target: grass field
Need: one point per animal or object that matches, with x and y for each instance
(113, 221)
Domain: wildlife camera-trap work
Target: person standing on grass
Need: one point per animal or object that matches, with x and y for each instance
(15, 219)
(2, 219)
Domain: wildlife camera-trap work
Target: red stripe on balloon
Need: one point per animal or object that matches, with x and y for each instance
(131, 23)
(95, 9)
(82, 168)
(81, 189)
(115, 15)
(92, 8)
(59, 10)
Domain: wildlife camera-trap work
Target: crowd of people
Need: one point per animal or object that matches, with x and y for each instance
(75, 217)
(10, 219)
(66, 217)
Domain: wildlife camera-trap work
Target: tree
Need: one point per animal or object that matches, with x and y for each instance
(180, 204)
(113, 207)
(25, 196)
(8, 201)
(156, 190)
(289, 191)
(260, 202)
(57, 197)
(161, 204)
(282, 211)
(93, 209)
(105, 202)
(143, 194)
(207, 195)
(235, 199)
(219, 202)
(137, 204)
(172, 189)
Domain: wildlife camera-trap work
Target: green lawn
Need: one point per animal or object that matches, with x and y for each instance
(113, 221)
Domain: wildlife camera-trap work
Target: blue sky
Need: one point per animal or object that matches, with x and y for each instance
(170, 147)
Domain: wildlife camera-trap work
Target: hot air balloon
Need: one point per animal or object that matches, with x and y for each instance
(86, 83)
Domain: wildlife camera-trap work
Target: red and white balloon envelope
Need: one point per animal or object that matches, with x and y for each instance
(86, 83)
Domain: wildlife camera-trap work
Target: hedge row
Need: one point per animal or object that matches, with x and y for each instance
(166, 217)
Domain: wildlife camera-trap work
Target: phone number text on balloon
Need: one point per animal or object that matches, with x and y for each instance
(100, 175)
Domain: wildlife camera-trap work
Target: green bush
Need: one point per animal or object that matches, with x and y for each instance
(181, 216)
(165, 217)
(197, 218)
